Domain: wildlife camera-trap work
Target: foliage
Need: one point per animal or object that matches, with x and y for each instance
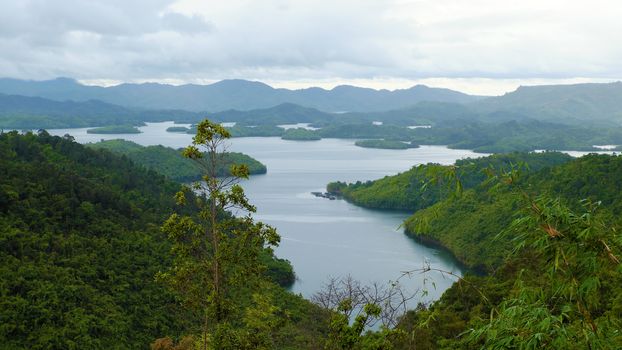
(79, 247)
(384, 144)
(80, 243)
(356, 308)
(555, 283)
(366, 130)
(216, 256)
(114, 129)
(251, 131)
(300, 134)
(421, 187)
(522, 135)
(171, 163)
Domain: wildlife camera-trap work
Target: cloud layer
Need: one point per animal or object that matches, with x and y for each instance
(311, 40)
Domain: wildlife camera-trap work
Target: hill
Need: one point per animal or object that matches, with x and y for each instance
(170, 162)
(414, 189)
(230, 94)
(549, 240)
(81, 245)
(564, 104)
(542, 233)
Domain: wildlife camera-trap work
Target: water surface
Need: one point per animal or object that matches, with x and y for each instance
(324, 237)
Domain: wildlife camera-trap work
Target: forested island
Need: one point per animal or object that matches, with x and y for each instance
(300, 134)
(114, 129)
(178, 129)
(171, 163)
(384, 144)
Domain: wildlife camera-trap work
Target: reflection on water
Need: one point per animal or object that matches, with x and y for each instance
(321, 237)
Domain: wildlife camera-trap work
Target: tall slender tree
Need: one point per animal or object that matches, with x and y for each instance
(215, 254)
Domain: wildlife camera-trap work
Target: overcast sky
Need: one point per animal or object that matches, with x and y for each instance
(477, 46)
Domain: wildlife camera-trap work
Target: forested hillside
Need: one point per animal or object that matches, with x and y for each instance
(542, 230)
(170, 162)
(575, 104)
(421, 186)
(82, 244)
(550, 243)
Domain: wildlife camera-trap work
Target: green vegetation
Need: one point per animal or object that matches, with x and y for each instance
(171, 163)
(577, 104)
(216, 257)
(300, 134)
(472, 239)
(517, 136)
(420, 188)
(250, 131)
(181, 129)
(366, 131)
(81, 244)
(545, 230)
(22, 112)
(114, 129)
(550, 240)
(384, 144)
(260, 130)
(80, 247)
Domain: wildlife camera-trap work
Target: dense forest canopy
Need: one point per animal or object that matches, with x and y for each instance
(170, 162)
(541, 230)
(81, 248)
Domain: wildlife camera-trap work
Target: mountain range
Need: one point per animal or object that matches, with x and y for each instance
(66, 103)
(231, 94)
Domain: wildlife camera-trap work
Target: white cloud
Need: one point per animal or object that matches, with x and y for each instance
(478, 45)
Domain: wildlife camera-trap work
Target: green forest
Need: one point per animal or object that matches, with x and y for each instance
(90, 260)
(540, 235)
(114, 129)
(384, 144)
(171, 163)
(81, 247)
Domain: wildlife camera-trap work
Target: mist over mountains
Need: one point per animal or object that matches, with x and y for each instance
(66, 103)
(231, 94)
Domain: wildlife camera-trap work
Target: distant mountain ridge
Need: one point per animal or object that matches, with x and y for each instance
(569, 104)
(588, 105)
(26, 112)
(235, 94)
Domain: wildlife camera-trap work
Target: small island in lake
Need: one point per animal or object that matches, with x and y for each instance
(181, 129)
(385, 144)
(300, 134)
(114, 129)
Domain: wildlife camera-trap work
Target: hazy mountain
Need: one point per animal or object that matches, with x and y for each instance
(569, 104)
(25, 112)
(286, 113)
(586, 104)
(231, 94)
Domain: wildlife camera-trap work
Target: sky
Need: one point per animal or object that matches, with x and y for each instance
(486, 47)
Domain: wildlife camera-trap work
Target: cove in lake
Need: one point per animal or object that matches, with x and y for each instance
(322, 237)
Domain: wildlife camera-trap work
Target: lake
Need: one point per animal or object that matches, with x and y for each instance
(321, 237)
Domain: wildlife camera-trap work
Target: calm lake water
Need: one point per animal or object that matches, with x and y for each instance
(322, 237)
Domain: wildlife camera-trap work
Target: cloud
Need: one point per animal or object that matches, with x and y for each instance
(311, 40)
